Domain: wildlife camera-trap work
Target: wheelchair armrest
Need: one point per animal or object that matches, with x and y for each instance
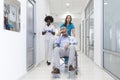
(56, 45)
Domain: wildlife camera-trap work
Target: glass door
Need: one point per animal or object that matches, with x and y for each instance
(111, 53)
(89, 30)
(87, 37)
(82, 33)
(91, 37)
(30, 35)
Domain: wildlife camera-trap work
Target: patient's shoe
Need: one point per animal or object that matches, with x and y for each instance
(71, 68)
(56, 71)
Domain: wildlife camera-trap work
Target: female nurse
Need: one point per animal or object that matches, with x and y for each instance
(49, 32)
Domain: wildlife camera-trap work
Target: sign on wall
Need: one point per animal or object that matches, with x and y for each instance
(12, 15)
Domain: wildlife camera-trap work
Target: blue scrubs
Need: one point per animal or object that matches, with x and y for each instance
(9, 26)
(69, 27)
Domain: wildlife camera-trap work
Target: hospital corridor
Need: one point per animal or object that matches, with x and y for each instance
(87, 71)
(59, 40)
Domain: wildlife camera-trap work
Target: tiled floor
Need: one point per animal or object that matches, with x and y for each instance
(87, 71)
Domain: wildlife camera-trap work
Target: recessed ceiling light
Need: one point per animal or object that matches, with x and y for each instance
(105, 3)
(67, 4)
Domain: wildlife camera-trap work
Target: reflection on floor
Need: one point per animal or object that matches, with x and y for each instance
(87, 71)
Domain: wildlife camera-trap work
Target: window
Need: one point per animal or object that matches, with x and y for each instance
(112, 36)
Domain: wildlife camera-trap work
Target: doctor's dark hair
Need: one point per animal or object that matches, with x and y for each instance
(49, 18)
(65, 24)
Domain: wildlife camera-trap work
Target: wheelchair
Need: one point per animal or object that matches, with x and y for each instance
(63, 59)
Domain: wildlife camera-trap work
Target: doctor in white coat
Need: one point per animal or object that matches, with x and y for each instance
(49, 32)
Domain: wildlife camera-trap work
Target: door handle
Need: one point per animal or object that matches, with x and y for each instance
(34, 33)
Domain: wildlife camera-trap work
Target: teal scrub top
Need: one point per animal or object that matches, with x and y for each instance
(69, 27)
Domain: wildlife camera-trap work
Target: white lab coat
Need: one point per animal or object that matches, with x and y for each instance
(49, 38)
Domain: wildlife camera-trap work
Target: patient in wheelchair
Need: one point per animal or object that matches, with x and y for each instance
(65, 48)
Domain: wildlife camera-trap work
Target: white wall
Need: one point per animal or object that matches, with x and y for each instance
(13, 44)
(13, 48)
(98, 31)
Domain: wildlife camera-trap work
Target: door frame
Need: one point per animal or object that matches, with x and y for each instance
(82, 36)
(33, 2)
(88, 13)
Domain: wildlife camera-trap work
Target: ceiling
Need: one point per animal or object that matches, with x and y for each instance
(59, 9)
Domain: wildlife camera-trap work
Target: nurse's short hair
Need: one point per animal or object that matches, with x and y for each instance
(49, 18)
